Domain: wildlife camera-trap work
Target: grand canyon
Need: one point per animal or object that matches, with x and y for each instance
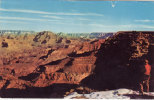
(49, 65)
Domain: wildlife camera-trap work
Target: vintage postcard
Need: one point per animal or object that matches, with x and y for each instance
(77, 49)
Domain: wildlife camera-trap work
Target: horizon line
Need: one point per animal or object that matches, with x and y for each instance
(77, 32)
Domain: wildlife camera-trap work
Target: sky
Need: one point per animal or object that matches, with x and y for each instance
(71, 16)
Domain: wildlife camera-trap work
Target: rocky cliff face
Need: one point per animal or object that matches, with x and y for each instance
(48, 66)
(119, 61)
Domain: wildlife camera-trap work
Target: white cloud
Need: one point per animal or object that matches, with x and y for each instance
(65, 18)
(124, 26)
(144, 21)
(27, 19)
(43, 12)
(13, 22)
(147, 26)
(132, 26)
(54, 17)
(23, 11)
(111, 26)
(82, 19)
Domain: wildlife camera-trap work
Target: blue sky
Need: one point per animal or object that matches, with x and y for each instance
(76, 16)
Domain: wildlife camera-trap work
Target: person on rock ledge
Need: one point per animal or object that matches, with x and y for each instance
(145, 78)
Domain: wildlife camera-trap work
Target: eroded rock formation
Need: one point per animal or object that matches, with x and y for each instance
(42, 64)
(46, 65)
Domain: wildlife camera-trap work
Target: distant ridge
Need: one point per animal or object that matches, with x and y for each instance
(135, 31)
(16, 32)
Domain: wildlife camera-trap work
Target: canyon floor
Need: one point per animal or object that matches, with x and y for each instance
(45, 65)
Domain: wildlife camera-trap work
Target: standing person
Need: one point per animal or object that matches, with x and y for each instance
(145, 78)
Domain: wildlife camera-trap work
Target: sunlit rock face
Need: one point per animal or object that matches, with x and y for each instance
(44, 59)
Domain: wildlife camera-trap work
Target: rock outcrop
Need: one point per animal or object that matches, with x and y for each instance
(4, 44)
(119, 60)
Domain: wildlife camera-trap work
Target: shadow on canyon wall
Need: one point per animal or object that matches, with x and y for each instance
(120, 60)
(52, 91)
